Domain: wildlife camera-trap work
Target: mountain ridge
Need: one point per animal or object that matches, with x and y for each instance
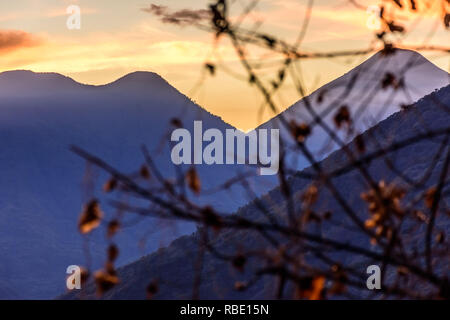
(42, 186)
(133, 81)
(137, 79)
(367, 64)
(169, 265)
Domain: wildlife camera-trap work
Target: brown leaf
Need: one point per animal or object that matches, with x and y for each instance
(110, 185)
(388, 49)
(113, 227)
(193, 180)
(105, 281)
(398, 3)
(321, 95)
(402, 271)
(430, 195)
(152, 289)
(311, 288)
(211, 68)
(239, 262)
(311, 216)
(176, 123)
(240, 285)
(210, 218)
(113, 253)
(300, 131)
(90, 218)
(360, 144)
(327, 215)
(340, 278)
(440, 237)
(144, 172)
(270, 41)
(393, 27)
(309, 197)
(388, 80)
(342, 117)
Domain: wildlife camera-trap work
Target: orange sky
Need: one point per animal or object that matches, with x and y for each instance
(118, 37)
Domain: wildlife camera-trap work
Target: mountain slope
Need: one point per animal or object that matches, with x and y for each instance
(41, 185)
(361, 92)
(173, 266)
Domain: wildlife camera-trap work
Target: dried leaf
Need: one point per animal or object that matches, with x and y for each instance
(321, 95)
(110, 185)
(152, 289)
(342, 117)
(210, 218)
(193, 180)
(270, 41)
(144, 172)
(360, 144)
(309, 197)
(402, 271)
(393, 27)
(90, 218)
(239, 262)
(113, 253)
(105, 281)
(311, 288)
(281, 75)
(327, 215)
(113, 227)
(405, 107)
(430, 195)
(440, 237)
(176, 123)
(240, 285)
(388, 80)
(339, 284)
(311, 216)
(398, 3)
(300, 131)
(211, 68)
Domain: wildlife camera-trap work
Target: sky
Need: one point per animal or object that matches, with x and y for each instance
(119, 37)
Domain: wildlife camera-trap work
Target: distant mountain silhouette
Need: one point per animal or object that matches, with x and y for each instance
(41, 190)
(174, 266)
(361, 91)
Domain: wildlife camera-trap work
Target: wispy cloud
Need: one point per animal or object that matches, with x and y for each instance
(11, 40)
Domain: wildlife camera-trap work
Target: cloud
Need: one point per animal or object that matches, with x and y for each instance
(11, 40)
(180, 17)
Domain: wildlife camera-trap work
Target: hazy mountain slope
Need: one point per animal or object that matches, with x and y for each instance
(361, 91)
(6, 293)
(173, 266)
(41, 190)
